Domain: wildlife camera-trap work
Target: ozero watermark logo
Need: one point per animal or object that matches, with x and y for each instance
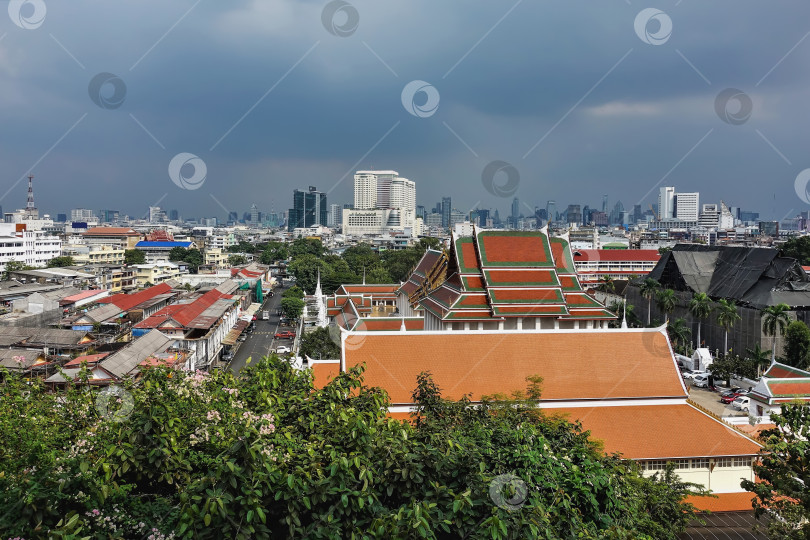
(27, 14)
(733, 106)
(500, 178)
(653, 26)
(187, 171)
(115, 403)
(421, 99)
(508, 491)
(107, 90)
(802, 185)
(340, 18)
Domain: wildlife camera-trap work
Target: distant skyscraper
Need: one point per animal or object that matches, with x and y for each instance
(61, 218)
(687, 206)
(515, 209)
(309, 208)
(335, 218)
(666, 203)
(551, 211)
(420, 211)
(233, 217)
(174, 215)
(604, 203)
(447, 208)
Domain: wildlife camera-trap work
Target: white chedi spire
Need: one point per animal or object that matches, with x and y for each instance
(318, 291)
(402, 326)
(624, 314)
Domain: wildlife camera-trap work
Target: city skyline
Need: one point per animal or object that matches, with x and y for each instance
(204, 126)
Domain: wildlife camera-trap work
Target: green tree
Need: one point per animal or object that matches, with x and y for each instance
(274, 251)
(798, 248)
(306, 246)
(648, 289)
(428, 242)
(242, 247)
(700, 306)
(378, 274)
(606, 284)
(797, 344)
(178, 253)
(360, 258)
(726, 317)
(783, 474)
(59, 262)
(267, 454)
(291, 307)
(293, 292)
(134, 256)
(679, 332)
(760, 358)
(14, 266)
(237, 260)
(774, 322)
(666, 301)
(318, 344)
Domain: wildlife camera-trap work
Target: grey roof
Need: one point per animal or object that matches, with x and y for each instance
(752, 276)
(7, 358)
(51, 337)
(126, 360)
(103, 313)
(9, 335)
(21, 291)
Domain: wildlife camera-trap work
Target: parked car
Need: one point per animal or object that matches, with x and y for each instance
(227, 357)
(242, 337)
(286, 334)
(688, 374)
(731, 391)
(741, 403)
(729, 399)
(701, 380)
(282, 350)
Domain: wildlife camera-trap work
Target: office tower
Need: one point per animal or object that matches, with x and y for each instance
(82, 214)
(61, 218)
(233, 217)
(605, 203)
(515, 209)
(666, 203)
(365, 190)
(446, 210)
(573, 214)
(309, 208)
(335, 218)
(551, 211)
(174, 215)
(420, 211)
(483, 217)
(637, 214)
(686, 206)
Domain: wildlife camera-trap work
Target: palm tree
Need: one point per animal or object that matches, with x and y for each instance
(700, 306)
(666, 301)
(775, 319)
(678, 331)
(726, 317)
(759, 357)
(648, 289)
(607, 284)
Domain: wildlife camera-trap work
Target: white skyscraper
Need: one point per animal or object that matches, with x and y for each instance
(687, 206)
(666, 203)
(383, 201)
(365, 190)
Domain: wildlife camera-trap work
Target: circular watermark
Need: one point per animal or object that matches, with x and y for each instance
(802, 185)
(653, 26)
(353, 340)
(733, 106)
(656, 344)
(507, 174)
(115, 403)
(429, 103)
(340, 18)
(27, 14)
(107, 90)
(187, 171)
(508, 491)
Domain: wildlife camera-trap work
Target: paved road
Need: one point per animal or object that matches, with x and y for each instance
(261, 341)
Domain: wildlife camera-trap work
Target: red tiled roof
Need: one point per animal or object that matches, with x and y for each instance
(125, 302)
(501, 278)
(659, 431)
(156, 319)
(786, 388)
(562, 254)
(111, 231)
(533, 296)
(324, 372)
(486, 363)
(507, 248)
(782, 371)
(377, 324)
(374, 289)
(89, 358)
(81, 296)
(631, 255)
(191, 311)
(723, 502)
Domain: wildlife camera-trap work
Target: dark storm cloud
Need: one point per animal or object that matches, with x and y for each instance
(565, 91)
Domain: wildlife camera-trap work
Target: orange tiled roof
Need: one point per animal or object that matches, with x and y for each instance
(391, 324)
(659, 431)
(575, 365)
(724, 502)
(111, 231)
(324, 372)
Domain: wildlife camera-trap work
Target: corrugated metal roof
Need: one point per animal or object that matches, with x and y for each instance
(126, 361)
(146, 244)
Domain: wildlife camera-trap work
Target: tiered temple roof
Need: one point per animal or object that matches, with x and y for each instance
(498, 274)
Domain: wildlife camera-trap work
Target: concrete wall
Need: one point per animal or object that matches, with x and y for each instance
(723, 475)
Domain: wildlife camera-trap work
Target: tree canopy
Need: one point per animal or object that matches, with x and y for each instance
(318, 344)
(134, 256)
(191, 256)
(797, 344)
(798, 248)
(266, 454)
(59, 262)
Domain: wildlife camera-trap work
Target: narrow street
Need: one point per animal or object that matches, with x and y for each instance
(261, 342)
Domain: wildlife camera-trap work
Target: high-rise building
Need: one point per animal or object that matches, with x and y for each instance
(447, 208)
(233, 217)
(335, 218)
(515, 209)
(60, 218)
(383, 201)
(605, 203)
(666, 203)
(255, 219)
(573, 214)
(686, 206)
(83, 214)
(551, 211)
(156, 215)
(174, 215)
(309, 208)
(420, 211)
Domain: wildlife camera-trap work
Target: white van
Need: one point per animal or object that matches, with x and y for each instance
(701, 380)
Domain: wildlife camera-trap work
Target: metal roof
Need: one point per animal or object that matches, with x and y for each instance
(126, 360)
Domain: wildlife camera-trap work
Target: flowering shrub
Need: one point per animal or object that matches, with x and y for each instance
(266, 454)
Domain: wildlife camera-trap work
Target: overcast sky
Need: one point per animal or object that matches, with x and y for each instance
(581, 98)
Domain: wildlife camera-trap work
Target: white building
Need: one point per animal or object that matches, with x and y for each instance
(666, 203)
(383, 202)
(687, 206)
(32, 248)
(82, 214)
